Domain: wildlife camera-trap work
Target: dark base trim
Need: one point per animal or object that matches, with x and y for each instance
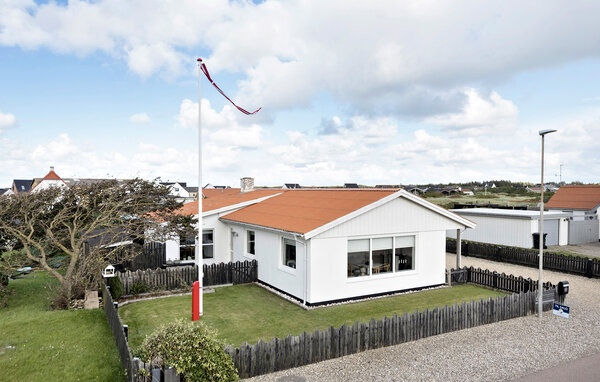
(350, 299)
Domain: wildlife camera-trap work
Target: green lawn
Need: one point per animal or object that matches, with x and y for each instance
(247, 313)
(53, 345)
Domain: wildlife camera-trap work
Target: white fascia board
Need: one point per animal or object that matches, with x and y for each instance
(401, 193)
(260, 227)
(237, 206)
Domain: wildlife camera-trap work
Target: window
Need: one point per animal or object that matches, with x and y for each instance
(207, 244)
(250, 242)
(382, 255)
(405, 252)
(358, 257)
(187, 247)
(289, 253)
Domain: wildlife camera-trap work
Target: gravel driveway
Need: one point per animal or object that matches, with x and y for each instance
(497, 352)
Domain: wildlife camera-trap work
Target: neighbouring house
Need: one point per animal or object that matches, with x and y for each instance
(51, 180)
(324, 245)
(4, 191)
(350, 185)
(290, 186)
(514, 227)
(468, 192)
(417, 190)
(179, 191)
(20, 185)
(193, 191)
(215, 192)
(583, 203)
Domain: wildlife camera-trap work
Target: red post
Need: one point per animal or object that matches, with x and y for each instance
(196, 301)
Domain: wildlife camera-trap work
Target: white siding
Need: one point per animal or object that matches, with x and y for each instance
(329, 264)
(269, 256)
(398, 215)
(498, 230)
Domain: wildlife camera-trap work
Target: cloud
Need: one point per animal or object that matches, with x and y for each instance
(7, 120)
(480, 115)
(140, 118)
(330, 126)
(60, 148)
(288, 52)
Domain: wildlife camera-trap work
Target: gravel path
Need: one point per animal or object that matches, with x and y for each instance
(497, 352)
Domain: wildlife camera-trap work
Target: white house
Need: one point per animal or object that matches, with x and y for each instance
(321, 246)
(514, 227)
(583, 203)
(49, 181)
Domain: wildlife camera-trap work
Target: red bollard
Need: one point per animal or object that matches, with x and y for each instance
(196, 301)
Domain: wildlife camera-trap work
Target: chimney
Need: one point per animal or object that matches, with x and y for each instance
(51, 168)
(246, 184)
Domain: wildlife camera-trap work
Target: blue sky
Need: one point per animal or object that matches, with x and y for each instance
(375, 93)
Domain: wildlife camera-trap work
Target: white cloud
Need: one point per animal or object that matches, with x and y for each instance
(140, 118)
(60, 148)
(480, 115)
(290, 51)
(7, 120)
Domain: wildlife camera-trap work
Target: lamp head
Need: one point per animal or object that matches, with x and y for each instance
(544, 132)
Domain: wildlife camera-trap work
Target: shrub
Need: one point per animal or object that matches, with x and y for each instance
(433, 194)
(16, 258)
(116, 287)
(192, 349)
(138, 287)
(5, 291)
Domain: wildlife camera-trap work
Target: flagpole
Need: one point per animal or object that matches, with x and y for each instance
(200, 249)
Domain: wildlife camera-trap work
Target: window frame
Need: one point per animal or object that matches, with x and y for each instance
(282, 262)
(212, 231)
(247, 243)
(394, 271)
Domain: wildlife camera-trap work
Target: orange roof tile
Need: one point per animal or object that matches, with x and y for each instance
(52, 176)
(583, 197)
(216, 202)
(302, 211)
(211, 192)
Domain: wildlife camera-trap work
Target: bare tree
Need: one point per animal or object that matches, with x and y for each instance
(64, 220)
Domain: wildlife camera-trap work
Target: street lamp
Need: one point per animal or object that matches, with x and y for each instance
(541, 237)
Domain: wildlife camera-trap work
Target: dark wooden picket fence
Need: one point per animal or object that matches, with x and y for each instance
(584, 266)
(118, 330)
(293, 351)
(152, 256)
(174, 278)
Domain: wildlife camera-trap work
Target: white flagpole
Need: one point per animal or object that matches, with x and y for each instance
(199, 251)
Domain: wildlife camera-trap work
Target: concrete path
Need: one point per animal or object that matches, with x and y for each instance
(587, 249)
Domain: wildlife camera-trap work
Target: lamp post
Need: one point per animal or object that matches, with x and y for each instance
(541, 237)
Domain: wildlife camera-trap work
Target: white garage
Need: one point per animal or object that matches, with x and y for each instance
(513, 227)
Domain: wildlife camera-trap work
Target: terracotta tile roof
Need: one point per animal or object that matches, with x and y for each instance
(216, 202)
(52, 176)
(583, 197)
(211, 192)
(302, 211)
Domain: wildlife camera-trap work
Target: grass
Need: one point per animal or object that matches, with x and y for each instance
(505, 199)
(247, 313)
(53, 345)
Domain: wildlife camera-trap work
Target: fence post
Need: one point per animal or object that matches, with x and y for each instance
(116, 304)
(495, 280)
(126, 331)
(590, 267)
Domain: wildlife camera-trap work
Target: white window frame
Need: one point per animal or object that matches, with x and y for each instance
(282, 265)
(206, 245)
(247, 241)
(394, 272)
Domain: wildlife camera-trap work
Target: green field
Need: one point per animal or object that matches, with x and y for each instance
(39, 344)
(502, 199)
(247, 313)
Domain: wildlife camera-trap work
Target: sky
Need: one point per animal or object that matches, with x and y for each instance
(369, 92)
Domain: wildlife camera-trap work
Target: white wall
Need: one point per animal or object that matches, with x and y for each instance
(49, 183)
(329, 268)
(269, 254)
(498, 230)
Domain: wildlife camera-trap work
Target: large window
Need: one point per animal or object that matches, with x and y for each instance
(251, 242)
(289, 253)
(208, 244)
(380, 255)
(358, 257)
(404, 252)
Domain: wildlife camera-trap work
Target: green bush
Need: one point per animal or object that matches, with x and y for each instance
(139, 287)
(192, 349)
(16, 258)
(116, 287)
(5, 291)
(433, 194)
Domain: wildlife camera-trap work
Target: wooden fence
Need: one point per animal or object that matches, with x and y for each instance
(584, 266)
(118, 330)
(293, 351)
(173, 278)
(153, 256)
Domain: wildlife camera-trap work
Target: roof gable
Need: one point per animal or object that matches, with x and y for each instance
(584, 197)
